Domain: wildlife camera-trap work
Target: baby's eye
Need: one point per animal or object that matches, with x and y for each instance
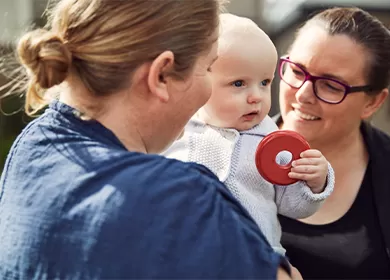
(239, 83)
(265, 82)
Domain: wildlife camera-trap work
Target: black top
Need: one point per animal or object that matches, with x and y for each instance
(378, 147)
(349, 248)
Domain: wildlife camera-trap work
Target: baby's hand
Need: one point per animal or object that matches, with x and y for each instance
(312, 167)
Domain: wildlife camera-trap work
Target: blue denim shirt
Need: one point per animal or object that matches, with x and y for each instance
(75, 204)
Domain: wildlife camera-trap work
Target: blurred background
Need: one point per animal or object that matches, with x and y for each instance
(279, 18)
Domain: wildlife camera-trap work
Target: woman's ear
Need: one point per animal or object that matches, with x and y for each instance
(157, 79)
(374, 103)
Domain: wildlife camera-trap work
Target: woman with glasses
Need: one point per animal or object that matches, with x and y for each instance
(334, 78)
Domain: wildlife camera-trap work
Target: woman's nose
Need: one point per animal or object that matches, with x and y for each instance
(305, 94)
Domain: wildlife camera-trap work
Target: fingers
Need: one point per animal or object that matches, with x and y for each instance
(311, 153)
(307, 161)
(314, 175)
(303, 176)
(312, 167)
(315, 181)
(310, 157)
(305, 169)
(308, 172)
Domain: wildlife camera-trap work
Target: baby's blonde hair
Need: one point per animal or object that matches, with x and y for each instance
(233, 28)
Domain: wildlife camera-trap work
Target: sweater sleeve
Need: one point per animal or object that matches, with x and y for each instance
(297, 201)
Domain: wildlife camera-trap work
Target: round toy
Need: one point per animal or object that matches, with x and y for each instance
(270, 147)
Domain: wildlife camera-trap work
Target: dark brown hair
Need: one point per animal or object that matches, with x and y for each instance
(365, 30)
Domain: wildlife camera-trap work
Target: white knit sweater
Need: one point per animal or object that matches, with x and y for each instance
(230, 154)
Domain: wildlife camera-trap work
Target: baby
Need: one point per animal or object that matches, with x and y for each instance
(225, 133)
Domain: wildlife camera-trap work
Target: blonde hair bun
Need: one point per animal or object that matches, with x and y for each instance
(45, 56)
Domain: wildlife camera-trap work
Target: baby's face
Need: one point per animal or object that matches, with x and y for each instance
(241, 85)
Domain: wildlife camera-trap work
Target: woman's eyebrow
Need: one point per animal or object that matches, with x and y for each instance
(325, 75)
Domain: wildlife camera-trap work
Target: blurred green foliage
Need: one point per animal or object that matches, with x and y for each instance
(12, 122)
(12, 117)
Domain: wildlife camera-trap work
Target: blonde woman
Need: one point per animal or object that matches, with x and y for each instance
(83, 194)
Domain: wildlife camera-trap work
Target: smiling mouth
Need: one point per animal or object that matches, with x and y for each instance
(306, 117)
